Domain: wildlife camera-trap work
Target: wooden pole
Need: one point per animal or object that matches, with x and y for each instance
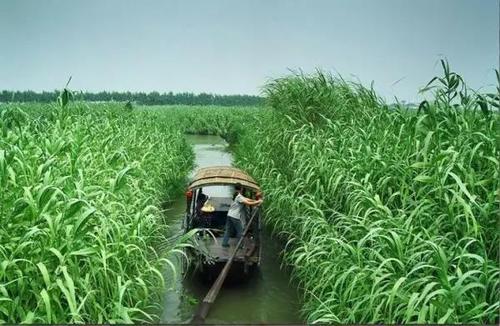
(204, 306)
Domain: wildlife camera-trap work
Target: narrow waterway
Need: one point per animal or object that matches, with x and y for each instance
(267, 297)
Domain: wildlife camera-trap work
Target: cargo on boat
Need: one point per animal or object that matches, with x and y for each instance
(206, 210)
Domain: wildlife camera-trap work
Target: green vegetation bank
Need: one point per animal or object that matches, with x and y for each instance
(386, 214)
(389, 215)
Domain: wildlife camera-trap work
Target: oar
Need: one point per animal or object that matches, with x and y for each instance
(204, 306)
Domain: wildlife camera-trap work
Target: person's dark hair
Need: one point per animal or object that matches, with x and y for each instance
(238, 187)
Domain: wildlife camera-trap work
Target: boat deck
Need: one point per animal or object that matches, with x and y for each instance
(218, 253)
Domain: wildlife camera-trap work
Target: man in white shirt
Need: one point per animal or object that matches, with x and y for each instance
(236, 214)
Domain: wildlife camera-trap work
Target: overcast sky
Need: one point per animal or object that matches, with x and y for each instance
(235, 46)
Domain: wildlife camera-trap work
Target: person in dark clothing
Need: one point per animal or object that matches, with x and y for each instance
(200, 201)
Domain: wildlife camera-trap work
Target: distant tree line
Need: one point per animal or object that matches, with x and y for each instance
(151, 98)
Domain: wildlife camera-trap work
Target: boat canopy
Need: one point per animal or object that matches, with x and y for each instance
(222, 175)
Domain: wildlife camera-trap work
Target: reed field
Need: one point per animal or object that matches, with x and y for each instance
(227, 122)
(386, 214)
(80, 205)
(389, 215)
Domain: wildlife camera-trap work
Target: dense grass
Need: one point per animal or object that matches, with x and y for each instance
(81, 191)
(227, 122)
(388, 215)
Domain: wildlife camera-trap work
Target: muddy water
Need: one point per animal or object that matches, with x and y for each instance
(268, 297)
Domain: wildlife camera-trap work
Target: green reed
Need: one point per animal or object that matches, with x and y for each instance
(80, 203)
(388, 214)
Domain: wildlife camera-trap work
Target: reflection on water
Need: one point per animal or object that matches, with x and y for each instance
(266, 298)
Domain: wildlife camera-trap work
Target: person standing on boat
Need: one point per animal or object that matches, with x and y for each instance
(236, 213)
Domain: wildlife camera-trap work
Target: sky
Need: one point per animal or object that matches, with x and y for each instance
(236, 46)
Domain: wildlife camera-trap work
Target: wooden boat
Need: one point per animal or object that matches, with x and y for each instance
(208, 214)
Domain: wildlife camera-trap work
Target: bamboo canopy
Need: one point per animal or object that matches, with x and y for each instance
(222, 175)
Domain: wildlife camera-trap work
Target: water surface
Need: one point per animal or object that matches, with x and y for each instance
(267, 297)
